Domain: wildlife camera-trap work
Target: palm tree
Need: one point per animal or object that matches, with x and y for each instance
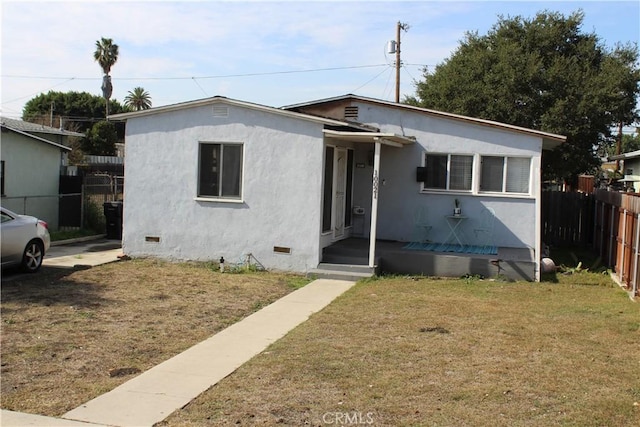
(138, 99)
(106, 55)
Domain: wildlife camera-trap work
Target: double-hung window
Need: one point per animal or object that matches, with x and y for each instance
(448, 172)
(220, 172)
(505, 174)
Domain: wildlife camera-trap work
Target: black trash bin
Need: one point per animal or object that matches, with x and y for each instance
(113, 217)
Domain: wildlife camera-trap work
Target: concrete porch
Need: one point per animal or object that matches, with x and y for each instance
(352, 254)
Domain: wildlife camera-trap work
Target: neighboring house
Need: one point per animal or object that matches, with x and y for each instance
(224, 178)
(631, 168)
(31, 159)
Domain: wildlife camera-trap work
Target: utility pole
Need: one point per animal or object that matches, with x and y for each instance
(51, 115)
(405, 27)
(619, 145)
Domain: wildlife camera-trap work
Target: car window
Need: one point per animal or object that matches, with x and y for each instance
(6, 217)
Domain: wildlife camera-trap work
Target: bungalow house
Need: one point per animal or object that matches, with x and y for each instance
(31, 159)
(349, 180)
(631, 168)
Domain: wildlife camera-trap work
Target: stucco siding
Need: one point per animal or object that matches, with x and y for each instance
(401, 196)
(281, 189)
(32, 176)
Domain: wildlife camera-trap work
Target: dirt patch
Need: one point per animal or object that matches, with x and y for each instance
(69, 336)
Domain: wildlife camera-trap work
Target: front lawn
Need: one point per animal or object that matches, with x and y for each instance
(466, 352)
(69, 336)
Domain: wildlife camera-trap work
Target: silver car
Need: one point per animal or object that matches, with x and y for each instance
(25, 240)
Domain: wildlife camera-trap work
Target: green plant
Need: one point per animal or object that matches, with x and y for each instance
(472, 278)
(94, 216)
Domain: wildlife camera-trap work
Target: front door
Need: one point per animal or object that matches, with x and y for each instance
(340, 192)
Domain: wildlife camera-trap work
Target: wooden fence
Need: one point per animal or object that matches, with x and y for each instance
(567, 218)
(617, 235)
(607, 221)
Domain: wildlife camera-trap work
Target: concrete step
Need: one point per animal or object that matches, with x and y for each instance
(352, 276)
(335, 258)
(356, 268)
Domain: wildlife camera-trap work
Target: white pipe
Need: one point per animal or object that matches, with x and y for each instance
(375, 186)
(538, 226)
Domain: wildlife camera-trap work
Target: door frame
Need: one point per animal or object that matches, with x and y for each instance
(339, 196)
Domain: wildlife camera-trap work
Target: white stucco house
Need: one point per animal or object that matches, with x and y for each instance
(219, 177)
(31, 157)
(631, 168)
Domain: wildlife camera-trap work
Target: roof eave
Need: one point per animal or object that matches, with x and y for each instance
(623, 156)
(229, 101)
(370, 137)
(549, 137)
(28, 135)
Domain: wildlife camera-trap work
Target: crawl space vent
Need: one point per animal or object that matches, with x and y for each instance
(351, 113)
(281, 250)
(220, 111)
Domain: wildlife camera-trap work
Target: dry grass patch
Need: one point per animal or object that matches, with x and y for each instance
(64, 332)
(405, 352)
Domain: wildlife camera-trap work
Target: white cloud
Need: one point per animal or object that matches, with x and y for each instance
(213, 38)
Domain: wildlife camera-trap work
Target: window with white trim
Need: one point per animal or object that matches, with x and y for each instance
(448, 172)
(505, 174)
(220, 172)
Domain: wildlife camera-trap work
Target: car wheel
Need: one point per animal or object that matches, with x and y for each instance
(33, 255)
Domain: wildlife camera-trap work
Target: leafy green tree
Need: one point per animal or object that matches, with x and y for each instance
(542, 73)
(138, 99)
(106, 54)
(101, 139)
(77, 110)
(630, 143)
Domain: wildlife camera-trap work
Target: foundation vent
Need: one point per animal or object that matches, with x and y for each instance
(281, 250)
(351, 113)
(220, 111)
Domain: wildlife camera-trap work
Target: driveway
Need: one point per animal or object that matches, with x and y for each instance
(76, 254)
(87, 253)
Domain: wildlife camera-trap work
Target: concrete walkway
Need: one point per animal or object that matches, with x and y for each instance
(85, 252)
(155, 394)
(83, 260)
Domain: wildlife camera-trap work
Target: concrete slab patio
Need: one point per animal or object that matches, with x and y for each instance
(81, 252)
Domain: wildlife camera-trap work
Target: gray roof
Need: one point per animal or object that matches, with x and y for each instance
(552, 140)
(16, 125)
(629, 155)
(230, 101)
(20, 125)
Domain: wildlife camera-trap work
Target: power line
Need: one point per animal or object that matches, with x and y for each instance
(37, 93)
(372, 79)
(220, 76)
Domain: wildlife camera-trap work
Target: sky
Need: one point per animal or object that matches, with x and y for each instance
(270, 53)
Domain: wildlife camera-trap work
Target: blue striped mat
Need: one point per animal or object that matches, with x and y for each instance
(445, 247)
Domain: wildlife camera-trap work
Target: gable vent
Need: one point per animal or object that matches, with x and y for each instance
(351, 113)
(220, 111)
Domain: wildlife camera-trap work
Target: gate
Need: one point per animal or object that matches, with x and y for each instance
(70, 203)
(82, 199)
